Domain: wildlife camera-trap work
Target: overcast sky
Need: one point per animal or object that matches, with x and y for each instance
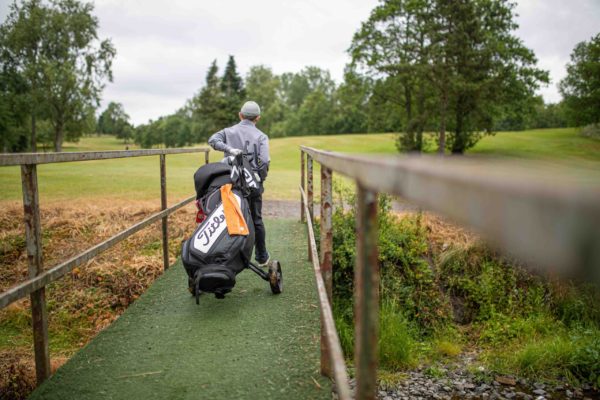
(165, 47)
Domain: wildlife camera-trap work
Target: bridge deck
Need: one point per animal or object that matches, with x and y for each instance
(252, 345)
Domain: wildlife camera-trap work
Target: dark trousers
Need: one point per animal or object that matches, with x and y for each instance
(260, 247)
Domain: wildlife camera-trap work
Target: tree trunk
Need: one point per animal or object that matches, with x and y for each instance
(33, 134)
(458, 145)
(442, 139)
(58, 137)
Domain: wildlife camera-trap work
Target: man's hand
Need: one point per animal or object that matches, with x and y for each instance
(235, 152)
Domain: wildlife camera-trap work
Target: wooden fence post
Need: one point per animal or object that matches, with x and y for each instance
(326, 255)
(309, 193)
(366, 290)
(303, 186)
(33, 235)
(163, 206)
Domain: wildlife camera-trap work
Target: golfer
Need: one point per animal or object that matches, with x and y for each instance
(233, 141)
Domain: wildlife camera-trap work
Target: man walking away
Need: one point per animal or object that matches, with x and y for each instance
(245, 136)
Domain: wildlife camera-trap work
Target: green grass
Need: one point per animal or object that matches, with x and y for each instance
(138, 178)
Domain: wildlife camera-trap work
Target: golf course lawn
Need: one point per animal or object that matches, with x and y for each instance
(138, 178)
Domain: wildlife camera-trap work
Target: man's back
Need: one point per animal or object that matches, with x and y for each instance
(242, 136)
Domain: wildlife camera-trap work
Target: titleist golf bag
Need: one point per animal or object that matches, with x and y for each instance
(211, 256)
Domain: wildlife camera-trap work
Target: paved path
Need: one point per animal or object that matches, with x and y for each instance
(251, 345)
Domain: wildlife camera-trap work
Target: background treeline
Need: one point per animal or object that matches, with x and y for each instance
(442, 73)
(305, 103)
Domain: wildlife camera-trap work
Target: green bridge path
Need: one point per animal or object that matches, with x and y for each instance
(251, 345)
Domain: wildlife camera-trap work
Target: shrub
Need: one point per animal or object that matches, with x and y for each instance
(488, 285)
(591, 131)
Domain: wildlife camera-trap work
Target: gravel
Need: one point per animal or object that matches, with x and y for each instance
(457, 382)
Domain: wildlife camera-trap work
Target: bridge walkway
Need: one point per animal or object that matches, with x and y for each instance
(251, 345)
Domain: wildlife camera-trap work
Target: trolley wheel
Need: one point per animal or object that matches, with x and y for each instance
(275, 277)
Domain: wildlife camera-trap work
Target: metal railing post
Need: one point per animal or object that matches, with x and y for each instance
(309, 193)
(33, 235)
(326, 255)
(366, 290)
(163, 206)
(302, 185)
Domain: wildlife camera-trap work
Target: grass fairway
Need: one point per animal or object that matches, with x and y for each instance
(138, 178)
(561, 145)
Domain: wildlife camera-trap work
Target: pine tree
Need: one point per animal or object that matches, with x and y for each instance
(209, 114)
(232, 89)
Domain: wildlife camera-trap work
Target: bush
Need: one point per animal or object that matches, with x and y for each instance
(406, 276)
(591, 131)
(487, 285)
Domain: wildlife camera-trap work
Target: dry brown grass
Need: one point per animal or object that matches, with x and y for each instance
(89, 298)
(443, 233)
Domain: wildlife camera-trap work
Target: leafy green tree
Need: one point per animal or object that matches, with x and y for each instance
(56, 49)
(21, 43)
(13, 111)
(351, 103)
(308, 99)
(294, 89)
(581, 87)
(385, 111)
(392, 43)
(264, 87)
(115, 121)
(177, 131)
(457, 62)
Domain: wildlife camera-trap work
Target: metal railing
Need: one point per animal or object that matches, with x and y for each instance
(546, 221)
(38, 278)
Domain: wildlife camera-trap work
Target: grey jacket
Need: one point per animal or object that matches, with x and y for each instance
(236, 136)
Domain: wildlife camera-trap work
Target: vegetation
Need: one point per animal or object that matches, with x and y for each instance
(417, 67)
(52, 67)
(581, 87)
(454, 65)
(443, 290)
(90, 297)
(115, 121)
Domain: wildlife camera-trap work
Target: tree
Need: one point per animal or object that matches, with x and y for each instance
(55, 48)
(115, 121)
(581, 87)
(21, 42)
(391, 43)
(264, 87)
(209, 110)
(308, 102)
(13, 110)
(351, 103)
(457, 61)
(232, 89)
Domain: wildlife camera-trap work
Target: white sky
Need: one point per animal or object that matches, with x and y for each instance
(165, 47)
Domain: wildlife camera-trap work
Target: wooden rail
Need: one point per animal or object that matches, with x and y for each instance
(548, 222)
(38, 278)
(330, 342)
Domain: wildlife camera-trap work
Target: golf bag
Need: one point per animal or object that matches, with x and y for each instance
(211, 256)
